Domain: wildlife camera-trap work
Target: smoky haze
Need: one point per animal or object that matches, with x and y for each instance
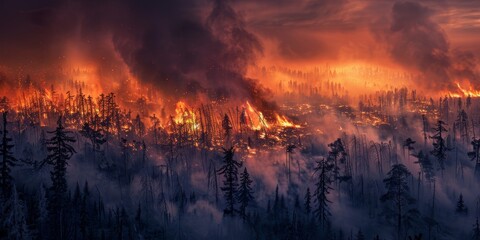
(204, 48)
(184, 48)
(417, 42)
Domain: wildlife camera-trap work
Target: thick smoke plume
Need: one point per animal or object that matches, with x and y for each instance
(173, 45)
(416, 41)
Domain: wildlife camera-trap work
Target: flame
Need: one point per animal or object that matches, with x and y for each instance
(471, 92)
(284, 122)
(185, 116)
(256, 122)
(454, 95)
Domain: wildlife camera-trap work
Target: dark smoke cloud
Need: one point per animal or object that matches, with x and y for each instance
(179, 51)
(185, 46)
(171, 44)
(417, 42)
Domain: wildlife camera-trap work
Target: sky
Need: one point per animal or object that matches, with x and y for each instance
(311, 25)
(193, 45)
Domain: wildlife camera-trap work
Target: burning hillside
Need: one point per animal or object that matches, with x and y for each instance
(224, 119)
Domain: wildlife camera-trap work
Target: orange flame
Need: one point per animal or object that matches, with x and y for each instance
(259, 122)
(185, 116)
(284, 122)
(471, 92)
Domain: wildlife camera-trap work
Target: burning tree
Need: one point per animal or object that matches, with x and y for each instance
(230, 182)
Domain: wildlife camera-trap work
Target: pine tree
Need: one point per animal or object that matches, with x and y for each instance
(337, 153)
(43, 142)
(276, 202)
(125, 158)
(425, 165)
(296, 203)
(14, 219)
(94, 134)
(439, 146)
(138, 217)
(8, 160)
(461, 209)
(39, 210)
(308, 202)
(359, 235)
(461, 123)
(244, 193)
(408, 144)
(288, 152)
(75, 208)
(474, 155)
(322, 190)
(398, 193)
(59, 152)
(83, 210)
(230, 182)
(227, 127)
(416, 237)
(42, 207)
(476, 230)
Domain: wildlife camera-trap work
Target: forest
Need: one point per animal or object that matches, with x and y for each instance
(223, 119)
(396, 166)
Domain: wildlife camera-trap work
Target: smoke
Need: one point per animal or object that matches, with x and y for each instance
(464, 67)
(178, 51)
(175, 46)
(417, 42)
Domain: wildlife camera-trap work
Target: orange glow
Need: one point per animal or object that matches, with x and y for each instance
(257, 120)
(184, 115)
(284, 122)
(470, 92)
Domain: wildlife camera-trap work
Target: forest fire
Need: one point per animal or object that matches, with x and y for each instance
(123, 119)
